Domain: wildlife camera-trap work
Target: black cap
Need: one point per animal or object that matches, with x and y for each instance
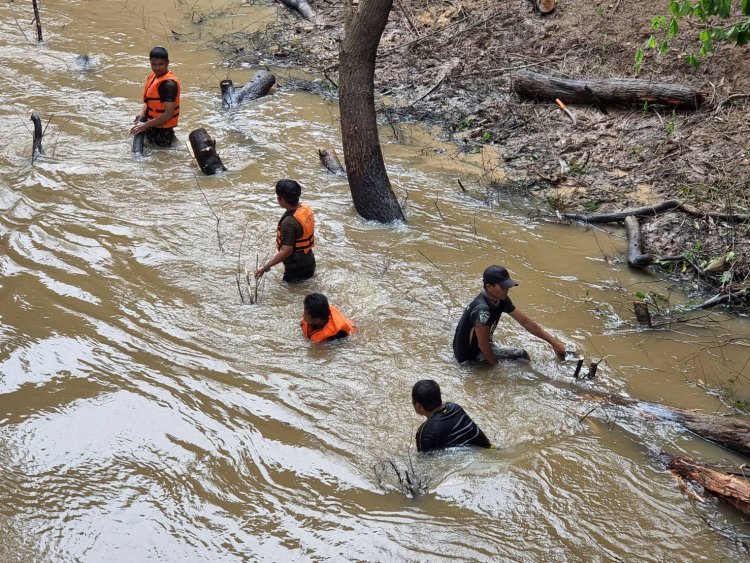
(497, 274)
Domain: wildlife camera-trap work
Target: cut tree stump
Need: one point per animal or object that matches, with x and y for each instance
(227, 93)
(734, 489)
(642, 313)
(330, 160)
(204, 150)
(257, 87)
(636, 257)
(603, 92)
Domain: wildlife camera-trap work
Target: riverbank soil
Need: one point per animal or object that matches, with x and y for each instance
(453, 63)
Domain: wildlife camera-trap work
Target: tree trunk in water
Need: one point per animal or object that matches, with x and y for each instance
(257, 87)
(733, 489)
(371, 189)
(330, 160)
(204, 149)
(139, 138)
(605, 92)
(36, 147)
(636, 257)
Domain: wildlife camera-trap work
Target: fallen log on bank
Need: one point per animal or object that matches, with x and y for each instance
(733, 488)
(330, 160)
(636, 256)
(36, 147)
(302, 8)
(603, 92)
(204, 150)
(653, 210)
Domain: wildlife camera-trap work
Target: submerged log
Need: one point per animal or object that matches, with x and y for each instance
(330, 160)
(302, 8)
(732, 488)
(257, 87)
(603, 92)
(227, 93)
(204, 150)
(636, 257)
(36, 147)
(507, 353)
(140, 137)
(642, 313)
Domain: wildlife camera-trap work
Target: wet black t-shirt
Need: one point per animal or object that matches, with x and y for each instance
(168, 91)
(479, 312)
(449, 427)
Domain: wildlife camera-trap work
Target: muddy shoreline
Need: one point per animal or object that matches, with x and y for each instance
(452, 64)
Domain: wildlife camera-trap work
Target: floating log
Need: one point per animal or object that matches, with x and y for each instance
(204, 150)
(642, 313)
(545, 6)
(302, 8)
(636, 257)
(36, 147)
(140, 137)
(227, 93)
(258, 87)
(601, 92)
(330, 160)
(732, 488)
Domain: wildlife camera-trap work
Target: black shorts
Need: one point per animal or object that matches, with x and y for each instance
(161, 137)
(294, 274)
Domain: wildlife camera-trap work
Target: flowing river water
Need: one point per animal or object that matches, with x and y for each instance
(146, 413)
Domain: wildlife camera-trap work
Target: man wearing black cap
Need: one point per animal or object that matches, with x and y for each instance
(479, 320)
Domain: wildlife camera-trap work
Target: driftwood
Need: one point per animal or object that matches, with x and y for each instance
(36, 147)
(602, 92)
(257, 87)
(227, 93)
(330, 160)
(731, 433)
(204, 150)
(38, 21)
(733, 488)
(302, 8)
(636, 257)
(652, 210)
(140, 137)
(545, 6)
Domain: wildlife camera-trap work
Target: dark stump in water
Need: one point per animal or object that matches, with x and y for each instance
(204, 150)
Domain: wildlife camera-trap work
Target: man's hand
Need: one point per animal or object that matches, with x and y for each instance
(138, 128)
(559, 349)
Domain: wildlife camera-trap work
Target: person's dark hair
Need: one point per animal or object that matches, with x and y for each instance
(158, 53)
(426, 392)
(289, 191)
(316, 305)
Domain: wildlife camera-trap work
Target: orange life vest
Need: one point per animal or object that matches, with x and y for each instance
(335, 324)
(304, 216)
(154, 105)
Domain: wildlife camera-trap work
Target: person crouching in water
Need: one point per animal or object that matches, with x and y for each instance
(295, 235)
(161, 102)
(447, 424)
(322, 321)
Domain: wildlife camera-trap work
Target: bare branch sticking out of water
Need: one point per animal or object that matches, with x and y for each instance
(407, 479)
(218, 219)
(37, 21)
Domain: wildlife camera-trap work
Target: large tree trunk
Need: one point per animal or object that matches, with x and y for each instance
(605, 92)
(258, 86)
(732, 488)
(368, 180)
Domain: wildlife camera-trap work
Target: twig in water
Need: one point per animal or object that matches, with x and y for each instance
(461, 185)
(218, 220)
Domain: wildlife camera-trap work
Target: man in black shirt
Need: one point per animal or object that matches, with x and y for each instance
(475, 329)
(447, 425)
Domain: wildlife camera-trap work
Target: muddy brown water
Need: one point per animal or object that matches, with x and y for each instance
(147, 414)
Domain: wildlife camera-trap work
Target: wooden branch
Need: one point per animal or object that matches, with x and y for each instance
(204, 150)
(733, 489)
(636, 257)
(603, 92)
(38, 21)
(36, 147)
(618, 216)
(330, 160)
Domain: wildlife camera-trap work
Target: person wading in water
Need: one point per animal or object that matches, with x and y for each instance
(295, 235)
(161, 102)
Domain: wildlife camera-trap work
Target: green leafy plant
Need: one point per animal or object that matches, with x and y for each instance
(714, 17)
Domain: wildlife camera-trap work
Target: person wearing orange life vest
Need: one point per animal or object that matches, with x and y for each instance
(161, 102)
(322, 321)
(295, 235)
